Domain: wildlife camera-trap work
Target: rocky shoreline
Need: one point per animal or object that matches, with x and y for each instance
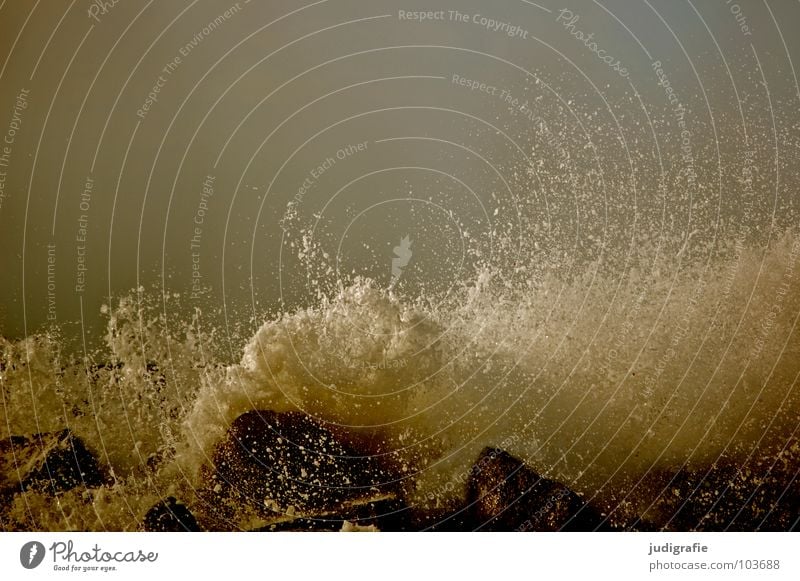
(288, 472)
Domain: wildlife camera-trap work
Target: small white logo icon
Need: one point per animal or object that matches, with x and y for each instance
(31, 555)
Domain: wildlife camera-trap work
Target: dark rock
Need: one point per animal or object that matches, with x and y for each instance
(760, 495)
(390, 515)
(302, 524)
(503, 494)
(383, 514)
(443, 521)
(50, 462)
(170, 516)
(289, 465)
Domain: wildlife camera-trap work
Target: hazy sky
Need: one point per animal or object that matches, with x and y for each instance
(147, 142)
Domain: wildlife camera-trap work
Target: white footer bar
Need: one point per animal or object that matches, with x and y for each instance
(331, 556)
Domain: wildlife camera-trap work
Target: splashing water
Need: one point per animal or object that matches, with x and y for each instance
(595, 379)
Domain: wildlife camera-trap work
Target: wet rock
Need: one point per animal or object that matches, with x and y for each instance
(760, 495)
(380, 514)
(169, 515)
(503, 494)
(442, 521)
(50, 462)
(289, 465)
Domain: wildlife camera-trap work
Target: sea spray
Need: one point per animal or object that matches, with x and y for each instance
(705, 371)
